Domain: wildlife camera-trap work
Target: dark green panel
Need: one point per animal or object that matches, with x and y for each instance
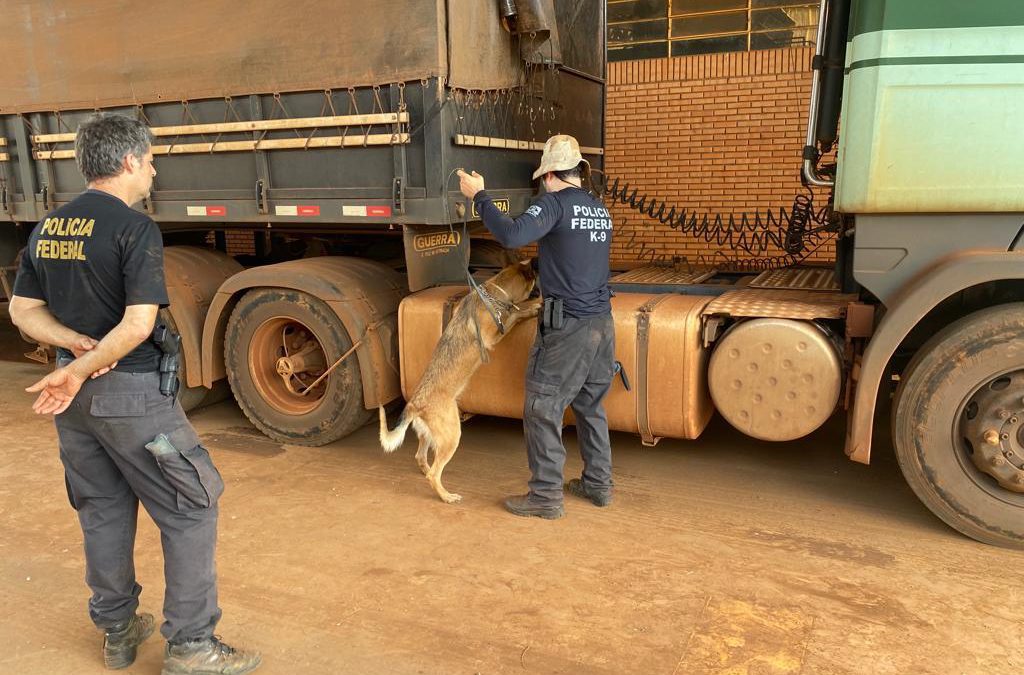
(873, 15)
(936, 60)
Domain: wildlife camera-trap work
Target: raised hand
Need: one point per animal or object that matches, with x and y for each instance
(470, 184)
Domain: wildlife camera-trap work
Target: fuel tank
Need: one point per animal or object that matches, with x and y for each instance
(657, 341)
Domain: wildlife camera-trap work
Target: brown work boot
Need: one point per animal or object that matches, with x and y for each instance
(121, 642)
(597, 498)
(208, 657)
(522, 505)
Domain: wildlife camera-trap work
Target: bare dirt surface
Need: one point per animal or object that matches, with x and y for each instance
(720, 556)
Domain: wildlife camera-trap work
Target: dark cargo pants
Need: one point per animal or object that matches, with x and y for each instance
(569, 366)
(108, 471)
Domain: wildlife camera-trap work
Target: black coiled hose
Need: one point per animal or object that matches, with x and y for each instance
(787, 230)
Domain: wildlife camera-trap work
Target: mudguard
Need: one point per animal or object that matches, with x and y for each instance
(920, 295)
(364, 295)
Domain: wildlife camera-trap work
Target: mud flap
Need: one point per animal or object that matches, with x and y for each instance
(435, 255)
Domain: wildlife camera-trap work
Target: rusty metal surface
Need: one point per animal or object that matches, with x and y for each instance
(775, 379)
(996, 432)
(364, 294)
(860, 320)
(784, 304)
(69, 54)
(193, 276)
(679, 405)
(807, 279)
(662, 275)
(538, 31)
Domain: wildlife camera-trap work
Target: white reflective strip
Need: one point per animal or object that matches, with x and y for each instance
(292, 210)
(353, 210)
(196, 210)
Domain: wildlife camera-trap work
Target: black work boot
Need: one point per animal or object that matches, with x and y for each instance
(121, 642)
(602, 498)
(522, 505)
(208, 657)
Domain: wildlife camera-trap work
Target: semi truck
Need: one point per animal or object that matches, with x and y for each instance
(325, 137)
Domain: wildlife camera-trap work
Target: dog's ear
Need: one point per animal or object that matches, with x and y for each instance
(511, 256)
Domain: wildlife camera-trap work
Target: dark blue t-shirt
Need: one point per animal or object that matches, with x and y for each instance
(573, 231)
(89, 260)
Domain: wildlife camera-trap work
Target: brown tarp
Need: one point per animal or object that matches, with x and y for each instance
(81, 54)
(483, 54)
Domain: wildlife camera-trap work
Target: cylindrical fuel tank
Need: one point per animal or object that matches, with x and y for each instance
(658, 342)
(776, 379)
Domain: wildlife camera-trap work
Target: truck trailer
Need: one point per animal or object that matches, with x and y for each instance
(328, 133)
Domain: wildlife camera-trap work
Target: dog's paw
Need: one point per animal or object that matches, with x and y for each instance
(452, 498)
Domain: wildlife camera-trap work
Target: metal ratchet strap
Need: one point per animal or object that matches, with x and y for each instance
(643, 324)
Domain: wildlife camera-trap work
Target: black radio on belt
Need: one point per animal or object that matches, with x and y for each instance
(551, 313)
(169, 343)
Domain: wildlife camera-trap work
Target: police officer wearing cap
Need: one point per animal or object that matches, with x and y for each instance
(573, 355)
(91, 282)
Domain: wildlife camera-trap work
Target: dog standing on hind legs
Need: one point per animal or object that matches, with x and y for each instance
(433, 409)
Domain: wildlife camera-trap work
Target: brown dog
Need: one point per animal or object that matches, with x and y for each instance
(433, 410)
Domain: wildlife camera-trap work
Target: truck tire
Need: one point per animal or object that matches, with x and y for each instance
(280, 341)
(964, 386)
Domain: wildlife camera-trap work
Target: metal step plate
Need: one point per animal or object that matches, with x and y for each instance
(663, 275)
(797, 279)
(781, 303)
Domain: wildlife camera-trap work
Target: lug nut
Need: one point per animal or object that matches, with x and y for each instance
(992, 437)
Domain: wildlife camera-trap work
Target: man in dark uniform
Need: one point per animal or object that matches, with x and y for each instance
(91, 282)
(573, 355)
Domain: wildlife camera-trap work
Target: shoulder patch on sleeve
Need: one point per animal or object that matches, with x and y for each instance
(534, 210)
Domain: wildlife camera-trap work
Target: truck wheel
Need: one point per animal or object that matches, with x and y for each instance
(958, 425)
(278, 344)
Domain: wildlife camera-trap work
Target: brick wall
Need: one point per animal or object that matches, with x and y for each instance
(717, 132)
(239, 242)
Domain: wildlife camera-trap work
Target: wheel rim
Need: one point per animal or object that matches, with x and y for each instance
(285, 358)
(990, 434)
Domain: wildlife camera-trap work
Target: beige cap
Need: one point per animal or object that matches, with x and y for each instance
(561, 153)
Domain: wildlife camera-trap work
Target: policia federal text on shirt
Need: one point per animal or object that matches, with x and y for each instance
(91, 282)
(573, 354)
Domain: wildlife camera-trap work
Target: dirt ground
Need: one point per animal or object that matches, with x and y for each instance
(720, 556)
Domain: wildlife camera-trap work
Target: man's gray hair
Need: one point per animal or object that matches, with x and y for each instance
(105, 139)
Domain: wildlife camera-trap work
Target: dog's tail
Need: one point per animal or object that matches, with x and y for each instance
(392, 440)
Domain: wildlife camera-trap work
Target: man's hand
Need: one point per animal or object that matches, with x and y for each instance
(470, 184)
(56, 391)
(83, 344)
